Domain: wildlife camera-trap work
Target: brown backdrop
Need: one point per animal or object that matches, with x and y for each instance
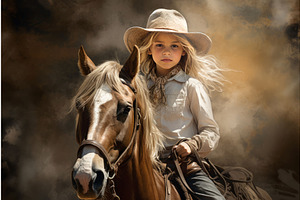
(258, 112)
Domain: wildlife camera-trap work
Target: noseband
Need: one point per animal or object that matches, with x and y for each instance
(113, 167)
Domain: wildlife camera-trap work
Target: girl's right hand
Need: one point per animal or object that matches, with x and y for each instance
(183, 149)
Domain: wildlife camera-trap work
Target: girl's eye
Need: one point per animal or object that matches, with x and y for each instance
(158, 45)
(174, 46)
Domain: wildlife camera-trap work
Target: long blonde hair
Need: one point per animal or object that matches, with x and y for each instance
(204, 68)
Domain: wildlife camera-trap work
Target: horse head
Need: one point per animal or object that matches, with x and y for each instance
(107, 120)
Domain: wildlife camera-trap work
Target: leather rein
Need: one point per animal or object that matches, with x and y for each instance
(113, 167)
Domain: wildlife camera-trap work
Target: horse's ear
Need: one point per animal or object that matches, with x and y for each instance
(85, 64)
(132, 66)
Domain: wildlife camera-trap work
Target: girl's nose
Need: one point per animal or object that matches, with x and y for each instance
(167, 51)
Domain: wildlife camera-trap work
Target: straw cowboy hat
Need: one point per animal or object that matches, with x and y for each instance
(167, 21)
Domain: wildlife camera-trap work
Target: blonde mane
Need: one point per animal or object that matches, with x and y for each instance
(108, 73)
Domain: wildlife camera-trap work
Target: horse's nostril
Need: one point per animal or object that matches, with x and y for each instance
(99, 180)
(74, 183)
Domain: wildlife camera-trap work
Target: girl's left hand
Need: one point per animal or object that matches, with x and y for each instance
(183, 149)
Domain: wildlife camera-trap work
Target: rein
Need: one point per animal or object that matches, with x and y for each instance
(113, 167)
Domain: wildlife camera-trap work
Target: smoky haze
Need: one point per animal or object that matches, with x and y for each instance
(258, 111)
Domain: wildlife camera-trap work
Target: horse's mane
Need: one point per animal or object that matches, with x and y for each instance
(108, 73)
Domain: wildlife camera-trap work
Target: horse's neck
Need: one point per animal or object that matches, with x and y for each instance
(137, 176)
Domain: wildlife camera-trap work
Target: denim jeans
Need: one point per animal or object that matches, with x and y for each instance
(204, 188)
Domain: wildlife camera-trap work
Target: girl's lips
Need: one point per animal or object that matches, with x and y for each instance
(166, 60)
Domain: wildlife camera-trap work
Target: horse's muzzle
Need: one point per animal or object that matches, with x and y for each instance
(89, 179)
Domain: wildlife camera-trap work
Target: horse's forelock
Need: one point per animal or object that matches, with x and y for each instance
(108, 73)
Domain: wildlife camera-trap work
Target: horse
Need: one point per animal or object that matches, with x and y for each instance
(119, 140)
(117, 134)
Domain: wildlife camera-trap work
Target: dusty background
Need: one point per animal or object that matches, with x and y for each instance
(258, 112)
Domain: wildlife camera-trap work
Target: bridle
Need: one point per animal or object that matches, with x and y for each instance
(113, 167)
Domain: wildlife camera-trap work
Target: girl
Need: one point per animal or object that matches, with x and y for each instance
(179, 76)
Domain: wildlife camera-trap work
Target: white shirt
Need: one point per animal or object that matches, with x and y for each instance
(187, 113)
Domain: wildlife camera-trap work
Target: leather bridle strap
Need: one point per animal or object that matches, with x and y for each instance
(99, 147)
(121, 158)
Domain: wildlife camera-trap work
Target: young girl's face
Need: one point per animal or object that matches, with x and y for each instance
(166, 52)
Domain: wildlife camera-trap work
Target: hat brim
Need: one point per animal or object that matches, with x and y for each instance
(135, 35)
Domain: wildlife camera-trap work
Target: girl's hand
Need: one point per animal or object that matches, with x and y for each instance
(183, 149)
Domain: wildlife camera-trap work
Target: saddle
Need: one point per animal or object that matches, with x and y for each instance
(235, 183)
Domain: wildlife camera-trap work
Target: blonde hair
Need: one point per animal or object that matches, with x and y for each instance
(108, 73)
(204, 68)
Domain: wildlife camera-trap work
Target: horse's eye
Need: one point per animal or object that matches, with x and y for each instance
(122, 112)
(127, 110)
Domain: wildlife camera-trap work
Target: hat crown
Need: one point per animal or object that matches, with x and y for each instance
(167, 19)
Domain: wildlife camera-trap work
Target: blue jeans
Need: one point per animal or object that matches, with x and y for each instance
(204, 188)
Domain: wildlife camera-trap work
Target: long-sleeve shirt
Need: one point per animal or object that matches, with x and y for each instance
(187, 114)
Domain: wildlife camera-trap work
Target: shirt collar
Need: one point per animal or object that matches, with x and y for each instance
(181, 76)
